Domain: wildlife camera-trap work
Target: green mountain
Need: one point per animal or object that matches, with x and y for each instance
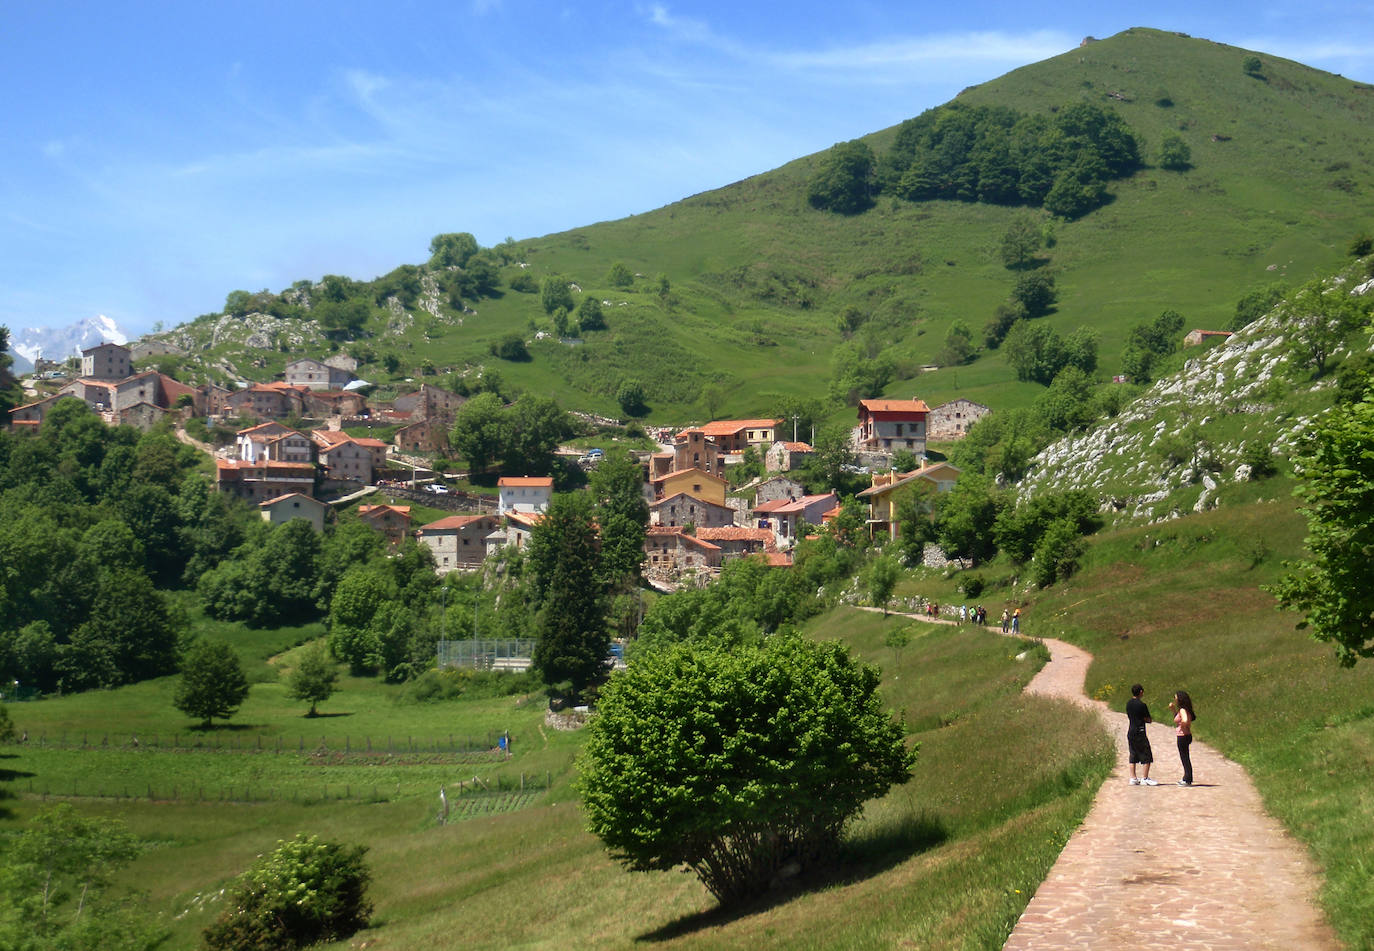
(1279, 178)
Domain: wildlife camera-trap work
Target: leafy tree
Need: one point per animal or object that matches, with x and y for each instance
(856, 376)
(7, 734)
(314, 680)
(129, 635)
(630, 396)
(1068, 404)
(212, 682)
(1331, 587)
(1319, 317)
(573, 641)
(1035, 351)
(619, 275)
(1021, 243)
(713, 397)
(1000, 323)
(1080, 350)
(1252, 66)
(362, 620)
(305, 892)
(1174, 153)
(1036, 292)
(915, 510)
(880, 579)
(452, 250)
(479, 430)
(689, 763)
(534, 427)
(512, 347)
(617, 486)
(1361, 246)
(1057, 554)
(958, 348)
(841, 183)
(342, 320)
(56, 872)
(966, 516)
(1020, 528)
(827, 467)
(590, 315)
(1148, 343)
(554, 293)
(850, 320)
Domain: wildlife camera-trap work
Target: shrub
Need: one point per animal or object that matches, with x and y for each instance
(6, 725)
(690, 763)
(303, 892)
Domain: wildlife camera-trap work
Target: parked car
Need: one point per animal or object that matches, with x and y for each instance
(437, 489)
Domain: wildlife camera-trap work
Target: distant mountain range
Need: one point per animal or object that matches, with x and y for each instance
(59, 343)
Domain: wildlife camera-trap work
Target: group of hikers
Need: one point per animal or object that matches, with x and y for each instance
(1011, 621)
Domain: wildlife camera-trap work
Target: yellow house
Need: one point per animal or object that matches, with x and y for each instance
(887, 487)
(694, 482)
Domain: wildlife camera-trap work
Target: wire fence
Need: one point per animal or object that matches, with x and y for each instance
(476, 796)
(494, 746)
(486, 653)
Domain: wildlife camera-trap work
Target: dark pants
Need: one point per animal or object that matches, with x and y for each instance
(1183, 743)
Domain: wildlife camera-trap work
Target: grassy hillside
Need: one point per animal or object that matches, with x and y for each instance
(1282, 179)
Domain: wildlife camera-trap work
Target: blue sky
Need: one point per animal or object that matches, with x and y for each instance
(158, 155)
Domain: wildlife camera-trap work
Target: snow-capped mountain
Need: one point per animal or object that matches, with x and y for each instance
(59, 343)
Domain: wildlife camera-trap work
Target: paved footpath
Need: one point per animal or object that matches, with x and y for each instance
(1199, 867)
(1170, 866)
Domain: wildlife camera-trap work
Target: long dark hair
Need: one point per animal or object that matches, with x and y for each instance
(1185, 702)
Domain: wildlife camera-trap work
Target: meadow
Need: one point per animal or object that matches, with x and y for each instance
(948, 859)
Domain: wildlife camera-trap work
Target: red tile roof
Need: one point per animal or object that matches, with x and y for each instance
(895, 406)
(681, 472)
(736, 533)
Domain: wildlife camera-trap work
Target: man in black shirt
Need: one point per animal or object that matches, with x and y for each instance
(1137, 715)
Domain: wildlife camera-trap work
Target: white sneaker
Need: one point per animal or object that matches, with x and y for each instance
(1147, 781)
(1135, 781)
(1184, 782)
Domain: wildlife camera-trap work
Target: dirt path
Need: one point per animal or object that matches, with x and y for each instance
(1200, 867)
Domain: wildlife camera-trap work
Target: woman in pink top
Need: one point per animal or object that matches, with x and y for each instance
(1182, 705)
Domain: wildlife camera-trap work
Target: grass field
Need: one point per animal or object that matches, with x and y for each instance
(947, 860)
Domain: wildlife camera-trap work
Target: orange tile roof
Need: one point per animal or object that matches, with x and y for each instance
(531, 481)
(736, 533)
(377, 509)
(895, 406)
(527, 519)
(797, 447)
(728, 427)
(289, 495)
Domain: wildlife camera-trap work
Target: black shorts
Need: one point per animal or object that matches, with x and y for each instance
(1139, 745)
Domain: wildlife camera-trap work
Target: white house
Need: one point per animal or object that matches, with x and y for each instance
(528, 494)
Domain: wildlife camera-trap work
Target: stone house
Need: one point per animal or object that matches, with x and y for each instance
(890, 425)
(787, 456)
(883, 494)
(778, 487)
(951, 420)
(391, 521)
(670, 549)
(345, 461)
(737, 541)
(264, 479)
(316, 375)
(423, 436)
(457, 542)
(294, 505)
(320, 403)
(519, 526)
(429, 402)
(142, 415)
(525, 494)
(684, 509)
(266, 401)
(789, 520)
(106, 361)
(31, 414)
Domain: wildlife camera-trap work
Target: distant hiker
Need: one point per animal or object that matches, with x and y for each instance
(963, 614)
(1016, 621)
(1137, 715)
(1006, 621)
(1182, 705)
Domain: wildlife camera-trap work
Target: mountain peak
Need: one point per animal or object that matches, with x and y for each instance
(59, 343)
